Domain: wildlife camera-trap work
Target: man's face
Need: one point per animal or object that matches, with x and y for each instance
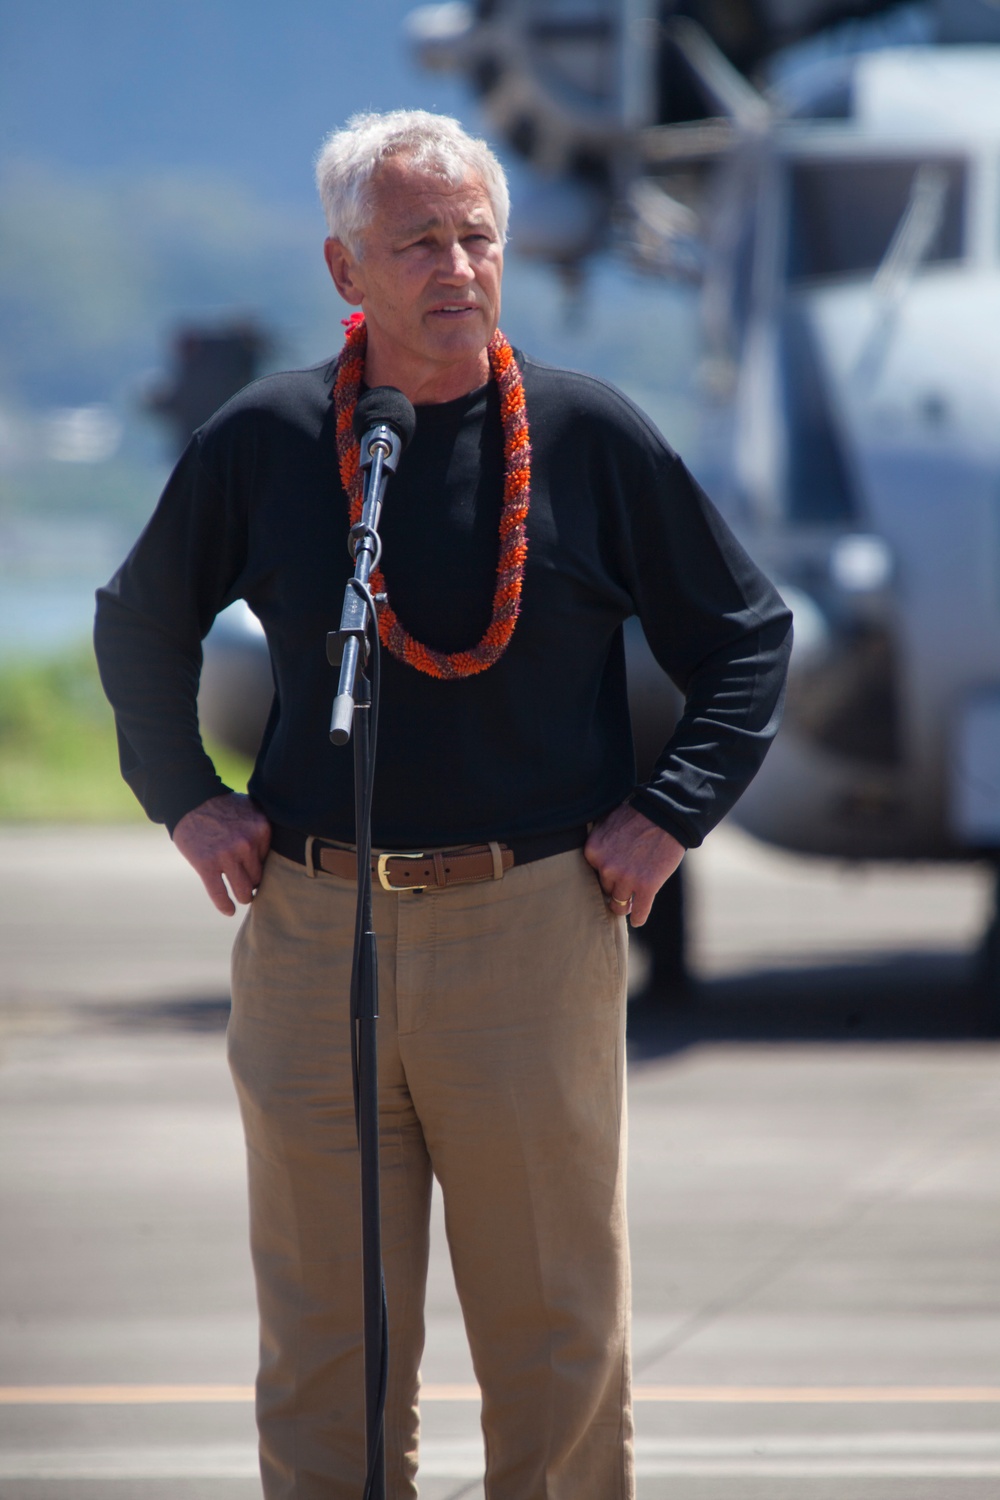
(428, 274)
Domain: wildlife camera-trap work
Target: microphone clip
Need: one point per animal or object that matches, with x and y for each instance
(381, 439)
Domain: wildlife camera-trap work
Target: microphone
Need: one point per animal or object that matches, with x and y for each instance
(384, 422)
(381, 415)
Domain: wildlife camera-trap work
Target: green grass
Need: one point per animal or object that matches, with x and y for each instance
(58, 754)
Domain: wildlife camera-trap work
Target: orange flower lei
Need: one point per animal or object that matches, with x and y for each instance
(513, 548)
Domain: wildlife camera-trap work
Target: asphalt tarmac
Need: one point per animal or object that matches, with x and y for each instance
(814, 1192)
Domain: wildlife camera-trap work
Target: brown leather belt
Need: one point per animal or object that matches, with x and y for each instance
(416, 870)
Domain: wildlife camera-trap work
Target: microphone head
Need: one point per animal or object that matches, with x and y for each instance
(385, 404)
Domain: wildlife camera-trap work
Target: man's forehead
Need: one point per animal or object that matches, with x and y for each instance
(423, 198)
(423, 215)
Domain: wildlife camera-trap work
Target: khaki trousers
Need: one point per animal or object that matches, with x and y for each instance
(501, 1071)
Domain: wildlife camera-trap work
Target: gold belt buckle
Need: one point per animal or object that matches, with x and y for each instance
(383, 876)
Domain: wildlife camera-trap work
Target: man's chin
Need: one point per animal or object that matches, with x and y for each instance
(457, 348)
(470, 326)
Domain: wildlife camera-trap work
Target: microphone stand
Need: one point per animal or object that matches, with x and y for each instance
(357, 703)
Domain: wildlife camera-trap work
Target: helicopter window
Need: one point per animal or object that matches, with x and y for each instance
(843, 214)
(818, 480)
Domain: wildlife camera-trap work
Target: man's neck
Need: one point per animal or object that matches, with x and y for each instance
(423, 384)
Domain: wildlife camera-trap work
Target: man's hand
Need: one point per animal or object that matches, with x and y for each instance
(633, 858)
(226, 836)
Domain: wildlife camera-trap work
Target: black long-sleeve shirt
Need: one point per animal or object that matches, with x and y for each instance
(539, 742)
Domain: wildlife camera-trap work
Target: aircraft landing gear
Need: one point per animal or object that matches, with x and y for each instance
(989, 962)
(662, 935)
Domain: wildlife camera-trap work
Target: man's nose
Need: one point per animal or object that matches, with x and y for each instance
(455, 263)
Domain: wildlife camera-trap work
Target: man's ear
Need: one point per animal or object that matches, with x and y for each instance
(345, 269)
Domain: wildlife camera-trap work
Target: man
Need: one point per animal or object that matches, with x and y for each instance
(508, 571)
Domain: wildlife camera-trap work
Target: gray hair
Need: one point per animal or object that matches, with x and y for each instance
(350, 159)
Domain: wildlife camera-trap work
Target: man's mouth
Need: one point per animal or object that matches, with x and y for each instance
(454, 309)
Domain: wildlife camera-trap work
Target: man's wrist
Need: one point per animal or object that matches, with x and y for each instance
(191, 795)
(646, 802)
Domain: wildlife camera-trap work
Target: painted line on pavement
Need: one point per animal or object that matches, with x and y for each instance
(121, 1395)
(768, 1395)
(821, 1395)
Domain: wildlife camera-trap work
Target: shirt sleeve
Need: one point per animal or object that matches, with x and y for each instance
(151, 619)
(719, 629)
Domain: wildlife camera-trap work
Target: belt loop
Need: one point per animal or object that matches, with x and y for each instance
(310, 867)
(497, 860)
(439, 874)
